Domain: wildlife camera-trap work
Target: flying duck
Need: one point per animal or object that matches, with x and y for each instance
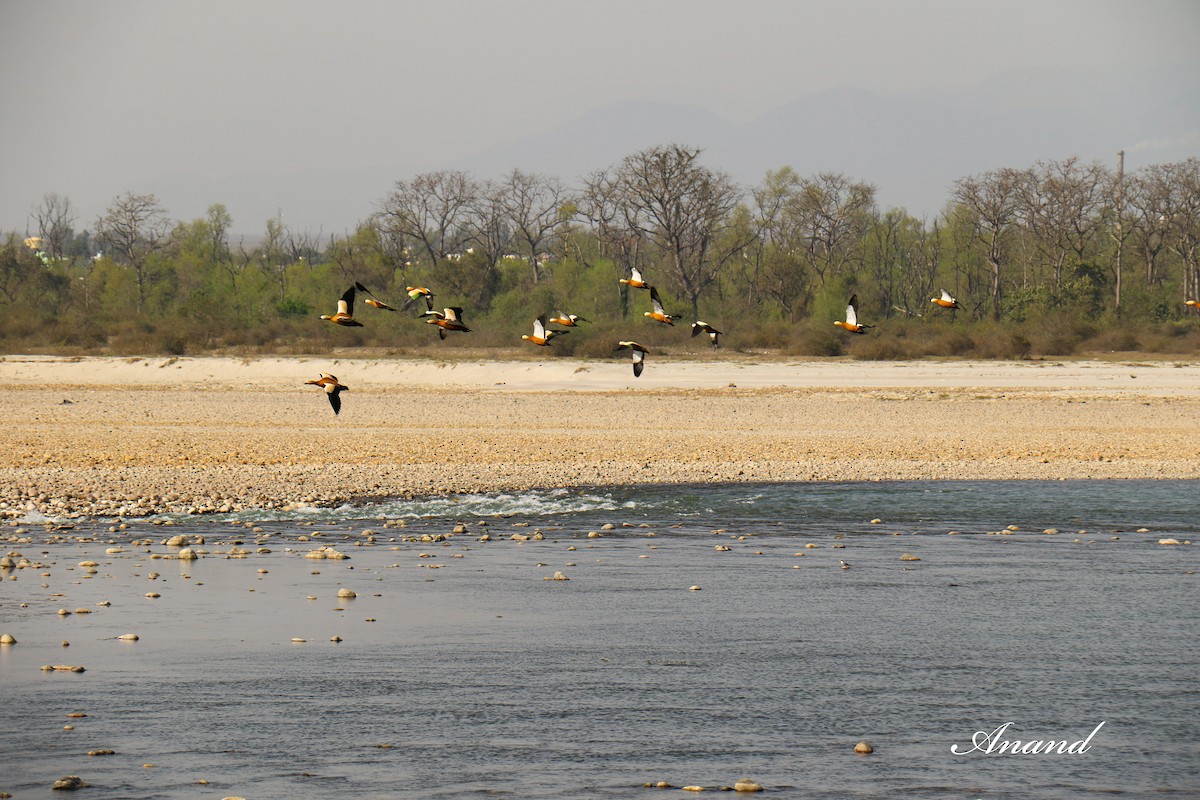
(568, 320)
(541, 336)
(945, 301)
(332, 390)
(635, 280)
(699, 327)
(658, 314)
(852, 324)
(449, 319)
(345, 311)
(416, 292)
(371, 299)
(639, 355)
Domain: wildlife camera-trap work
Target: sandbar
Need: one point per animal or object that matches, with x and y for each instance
(138, 436)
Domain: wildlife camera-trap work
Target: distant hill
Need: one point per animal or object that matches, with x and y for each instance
(912, 148)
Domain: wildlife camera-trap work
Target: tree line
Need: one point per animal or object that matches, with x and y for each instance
(1059, 257)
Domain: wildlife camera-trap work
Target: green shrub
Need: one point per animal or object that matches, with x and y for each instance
(293, 307)
(1116, 340)
(879, 348)
(948, 343)
(1001, 343)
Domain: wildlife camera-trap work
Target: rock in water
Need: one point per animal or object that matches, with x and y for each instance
(69, 783)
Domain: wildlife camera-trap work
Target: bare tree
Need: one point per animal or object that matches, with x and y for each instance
(302, 247)
(359, 257)
(533, 205)
(683, 208)
(55, 220)
(618, 237)
(958, 235)
(1060, 203)
(1182, 221)
(487, 232)
(272, 256)
(1119, 221)
(837, 213)
(992, 198)
(776, 255)
(903, 261)
(1149, 194)
(430, 210)
(136, 228)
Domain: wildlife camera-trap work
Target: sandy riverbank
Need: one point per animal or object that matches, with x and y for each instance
(105, 435)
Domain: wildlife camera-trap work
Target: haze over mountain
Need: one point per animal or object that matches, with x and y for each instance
(911, 148)
(312, 110)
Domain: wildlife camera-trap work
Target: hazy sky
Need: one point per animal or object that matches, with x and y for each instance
(100, 97)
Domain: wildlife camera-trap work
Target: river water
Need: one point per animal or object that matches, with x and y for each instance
(464, 671)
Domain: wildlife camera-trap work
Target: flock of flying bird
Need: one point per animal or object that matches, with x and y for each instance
(450, 320)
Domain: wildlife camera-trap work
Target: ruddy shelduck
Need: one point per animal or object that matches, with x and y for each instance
(636, 281)
(1192, 304)
(371, 299)
(332, 389)
(345, 311)
(639, 355)
(945, 301)
(449, 319)
(417, 292)
(658, 314)
(541, 336)
(568, 320)
(699, 327)
(852, 324)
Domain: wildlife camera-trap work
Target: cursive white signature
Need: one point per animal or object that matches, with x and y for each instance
(994, 742)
